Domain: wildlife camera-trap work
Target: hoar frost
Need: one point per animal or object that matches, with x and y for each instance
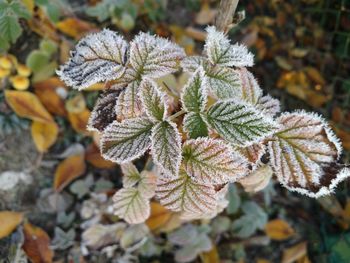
(197, 146)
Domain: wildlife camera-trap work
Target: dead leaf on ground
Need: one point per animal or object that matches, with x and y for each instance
(79, 121)
(279, 229)
(212, 256)
(75, 27)
(9, 220)
(37, 244)
(68, 170)
(76, 104)
(26, 104)
(159, 216)
(206, 15)
(93, 156)
(294, 253)
(44, 135)
(48, 93)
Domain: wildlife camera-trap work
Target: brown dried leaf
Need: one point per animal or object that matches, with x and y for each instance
(37, 244)
(93, 156)
(68, 170)
(44, 135)
(295, 252)
(279, 229)
(75, 27)
(159, 216)
(79, 121)
(9, 220)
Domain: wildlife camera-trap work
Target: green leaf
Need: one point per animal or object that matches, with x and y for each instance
(10, 29)
(195, 125)
(234, 199)
(166, 147)
(125, 141)
(37, 60)
(212, 161)
(153, 100)
(224, 83)
(239, 123)
(254, 218)
(194, 95)
(48, 46)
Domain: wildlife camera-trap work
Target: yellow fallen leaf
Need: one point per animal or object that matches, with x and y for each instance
(19, 82)
(48, 93)
(76, 104)
(68, 170)
(9, 221)
(212, 256)
(261, 260)
(44, 135)
(279, 229)
(79, 121)
(93, 156)
(74, 27)
(159, 216)
(27, 105)
(315, 75)
(294, 253)
(37, 244)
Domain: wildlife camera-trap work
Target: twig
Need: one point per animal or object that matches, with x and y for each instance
(224, 18)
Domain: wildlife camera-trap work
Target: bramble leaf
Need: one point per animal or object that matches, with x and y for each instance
(212, 161)
(153, 56)
(194, 95)
(253, 153)
(166, 147)
(129, 104)
(251, 91)
(98, 57)
(131, 175)
(304, 154)
(104, 112)
(221, 52)
(153, 100)
(125, 141)
(195, 125)
(131, 205)
(191, 64)
(224, 83)
(239, 123)
(185, 195)
(268, 105)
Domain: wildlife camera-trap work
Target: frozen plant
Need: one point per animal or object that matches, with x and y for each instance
(219, 132)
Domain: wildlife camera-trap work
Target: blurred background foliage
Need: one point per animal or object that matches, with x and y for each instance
(51, 172)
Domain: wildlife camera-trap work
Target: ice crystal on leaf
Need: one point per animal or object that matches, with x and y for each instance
(166, 147)
(98, 57)
(304, 154)
(222, 129)
(183, 194)
(153, 56)
(127, 140)
(212, 161)
(220, 51)
(239, 123)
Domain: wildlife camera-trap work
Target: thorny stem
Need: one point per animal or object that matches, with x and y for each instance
(223, 20)
(177, 114)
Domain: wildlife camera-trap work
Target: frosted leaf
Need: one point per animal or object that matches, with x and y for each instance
(185, 195)
(251, 91)
(239, 123)
(257, 180)
(131, 175)
(129, 76)
(253, 153)
(147, 184)
(129, 104)
(98, 57)
(194, 125)
(194, 94)
(166, 147)
(212, 161)
(192, 63)
(103, 113)
(125, 141)
(268, 105)
(131, 205)
(153, 100)
(220, 51)
(153, 56)
(224, 83)
(304, 154)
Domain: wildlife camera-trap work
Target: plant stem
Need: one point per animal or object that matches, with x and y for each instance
(177, 114)
(224, 17)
